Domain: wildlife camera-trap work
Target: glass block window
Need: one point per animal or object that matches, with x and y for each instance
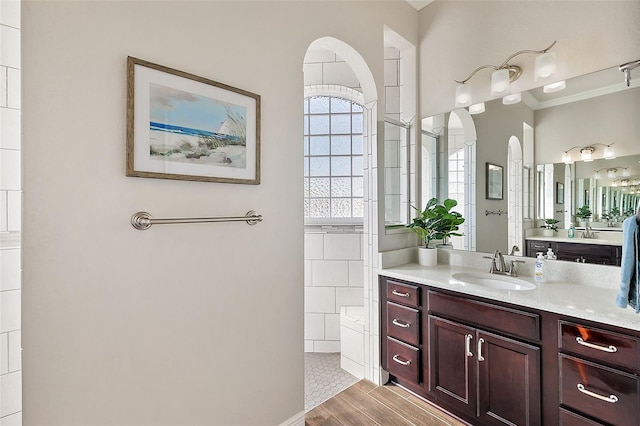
(333, 159)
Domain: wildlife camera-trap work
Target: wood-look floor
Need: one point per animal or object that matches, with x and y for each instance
(367, 404)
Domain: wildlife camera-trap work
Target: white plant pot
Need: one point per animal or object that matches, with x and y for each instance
(547, 232)
(427, 256)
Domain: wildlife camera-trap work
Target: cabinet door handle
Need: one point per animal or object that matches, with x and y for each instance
(611, 349)
(467, 345)
(611, 398)
(401, 362)
(400, 323)
(480, 342)
(397, 293)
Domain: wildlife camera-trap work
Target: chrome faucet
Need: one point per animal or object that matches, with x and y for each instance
(588, 232)
(514, 250)
(499, 267)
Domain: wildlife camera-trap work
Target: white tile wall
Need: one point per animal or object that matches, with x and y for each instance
(334, 276)
(10, 212)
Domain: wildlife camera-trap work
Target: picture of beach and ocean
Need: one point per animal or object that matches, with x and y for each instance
(185, 127)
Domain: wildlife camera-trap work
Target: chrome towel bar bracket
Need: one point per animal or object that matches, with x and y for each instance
(143, 220)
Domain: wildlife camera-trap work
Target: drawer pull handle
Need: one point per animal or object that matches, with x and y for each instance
(611, 349)
(401, 362)
(397, 293)
(467, 345)
(400, 324)
(480, 342)
(610, 398)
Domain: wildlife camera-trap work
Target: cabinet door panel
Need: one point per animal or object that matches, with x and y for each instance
(451, 367)
(509, 381)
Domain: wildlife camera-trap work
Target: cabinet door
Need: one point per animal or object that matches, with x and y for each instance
(452, 364)
(508, 381)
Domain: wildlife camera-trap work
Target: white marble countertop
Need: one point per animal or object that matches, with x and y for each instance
(599, 241)
(576, 300)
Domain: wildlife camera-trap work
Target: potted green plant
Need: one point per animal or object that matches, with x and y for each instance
(550, 226)
(435, 222)
(583, 214)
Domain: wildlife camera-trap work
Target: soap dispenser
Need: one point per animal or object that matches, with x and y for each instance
(538, 272)
(571, 233)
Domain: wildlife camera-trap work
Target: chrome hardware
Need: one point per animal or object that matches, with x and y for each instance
(588, 232)
(611, 349)
(514, 250)
(401, 362)
(400, 324)
(467, 344)
(397, 293)
(611, 398)
(480, 342)
(512, 268)
(143, 220)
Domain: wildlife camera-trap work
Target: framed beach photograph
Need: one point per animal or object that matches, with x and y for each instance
(185, 127)
(494, 182)
(559, 193)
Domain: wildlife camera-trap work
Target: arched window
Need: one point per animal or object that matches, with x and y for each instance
(333, 160)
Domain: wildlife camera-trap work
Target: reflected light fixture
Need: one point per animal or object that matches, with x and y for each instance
(586, 153)
(512, 99)
(545, 68)
(554, 87)
(476, 108)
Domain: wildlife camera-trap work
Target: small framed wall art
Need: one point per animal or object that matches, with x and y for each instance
(494, 182)
(186, 127)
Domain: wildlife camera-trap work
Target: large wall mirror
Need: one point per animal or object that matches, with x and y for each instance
(528, 140)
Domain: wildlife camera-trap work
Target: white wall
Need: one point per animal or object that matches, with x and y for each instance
(178, 324)
(456, 37)
(10, 220)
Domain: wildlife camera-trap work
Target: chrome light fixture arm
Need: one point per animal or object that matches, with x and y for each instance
(514, 70)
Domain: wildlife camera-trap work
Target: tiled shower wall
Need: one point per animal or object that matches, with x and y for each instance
(334, 277)
(10, 213)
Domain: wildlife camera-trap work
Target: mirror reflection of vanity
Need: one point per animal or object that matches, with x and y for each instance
(528, 140)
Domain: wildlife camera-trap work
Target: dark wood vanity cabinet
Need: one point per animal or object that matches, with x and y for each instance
(577, 252)
(599, 371)
(464, 355)
(492, 363)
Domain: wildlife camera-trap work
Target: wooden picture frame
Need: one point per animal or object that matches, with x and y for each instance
(182, 126)
(494, 181)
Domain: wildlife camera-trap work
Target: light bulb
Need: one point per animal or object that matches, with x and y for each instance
(597, 175)
(585, 154)
(500, 83)
(463, 95)
(611, 173)
(626, 172)
(545, 66)
(476, 108)
(554, 87)
(609, 153)
(512, 99)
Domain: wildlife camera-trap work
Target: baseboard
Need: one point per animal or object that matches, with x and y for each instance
(297, 420)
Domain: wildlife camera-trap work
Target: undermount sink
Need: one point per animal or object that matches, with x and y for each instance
(501, 282)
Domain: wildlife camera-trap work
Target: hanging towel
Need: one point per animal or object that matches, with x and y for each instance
(630, 265)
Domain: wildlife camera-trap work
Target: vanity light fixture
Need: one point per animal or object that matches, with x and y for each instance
(612, 172)
(554, 87)
(545, 67)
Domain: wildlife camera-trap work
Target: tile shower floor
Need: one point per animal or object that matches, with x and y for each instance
(323, 378)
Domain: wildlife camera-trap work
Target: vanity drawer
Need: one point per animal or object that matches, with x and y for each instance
(403, 293)
(601, 345)
(505, 320)
(534, 246)
(403, 323)
(568, 418)
(601, 392)
(403, 360)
